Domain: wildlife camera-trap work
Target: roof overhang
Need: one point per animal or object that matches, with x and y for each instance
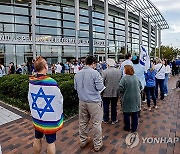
(145, 8)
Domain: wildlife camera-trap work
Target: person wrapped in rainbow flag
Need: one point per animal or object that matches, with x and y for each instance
(46, 105)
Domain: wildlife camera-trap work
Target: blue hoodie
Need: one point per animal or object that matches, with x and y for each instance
(150, 78)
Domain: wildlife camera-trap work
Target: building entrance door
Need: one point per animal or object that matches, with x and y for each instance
(101, 58)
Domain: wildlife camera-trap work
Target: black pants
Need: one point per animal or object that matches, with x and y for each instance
(106, 103)
(160, 83)
(134, 121)
(150, 91)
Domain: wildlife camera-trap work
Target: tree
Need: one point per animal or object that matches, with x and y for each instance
(166, 52)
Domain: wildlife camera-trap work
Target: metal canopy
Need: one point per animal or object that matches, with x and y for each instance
(148, 11)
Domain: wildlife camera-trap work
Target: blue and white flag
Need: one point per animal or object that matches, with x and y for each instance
(144, 58)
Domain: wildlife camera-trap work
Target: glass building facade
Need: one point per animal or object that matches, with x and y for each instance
(55, 20)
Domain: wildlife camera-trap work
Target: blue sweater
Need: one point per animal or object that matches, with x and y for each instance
(150, 78)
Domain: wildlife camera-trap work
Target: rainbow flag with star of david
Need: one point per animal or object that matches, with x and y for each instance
(46, 104)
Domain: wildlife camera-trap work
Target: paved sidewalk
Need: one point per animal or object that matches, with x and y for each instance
(17, 136)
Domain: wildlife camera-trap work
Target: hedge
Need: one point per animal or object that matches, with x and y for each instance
(14, 90)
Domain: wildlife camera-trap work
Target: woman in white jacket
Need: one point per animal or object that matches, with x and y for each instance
(167, 73)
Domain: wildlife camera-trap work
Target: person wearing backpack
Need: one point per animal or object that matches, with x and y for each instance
(160, 76)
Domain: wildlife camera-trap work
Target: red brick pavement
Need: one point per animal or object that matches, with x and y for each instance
(17, 137)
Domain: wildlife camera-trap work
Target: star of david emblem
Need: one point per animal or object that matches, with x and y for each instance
(47, 102)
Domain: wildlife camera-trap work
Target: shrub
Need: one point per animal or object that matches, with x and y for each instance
(14, 90)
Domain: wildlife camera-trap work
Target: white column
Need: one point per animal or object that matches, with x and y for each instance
(126, 29)
(155, 40)
(159, 41)
(140, 32)
(77, 26)
(33, 13)
(106, 27)
(149, 37)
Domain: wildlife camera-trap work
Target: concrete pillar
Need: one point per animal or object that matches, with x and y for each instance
(140, 32)
(106, 27)
(126, 29)
(33, 13)
(77, 26)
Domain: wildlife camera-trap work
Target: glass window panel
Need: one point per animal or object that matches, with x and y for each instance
(6, 9)
(22, 19)
(98, 15)
(84, 34)
(98, 29)
(84, 26)
(67, 24)
(10, 54)
(23, 2)
(68, 9)
(69, 2)
(120, 32)
(68, 32)
(48, 5)
(69, 51)
(20, 54)
(49, 14)
(83, 12)
(68, 17)
(22, 28)
(99, 35)
(120, 26)
(84, 19)
(49, 30)
(111, 24)
(7, 18)
(21, 10)
(6, 27)
(98, 22)
(48, 22)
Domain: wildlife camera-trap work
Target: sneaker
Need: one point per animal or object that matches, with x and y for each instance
(106, 122)
(165, 95)
(82, 145)
(144, 101)
(149, 109)
(114, 122)
(97, 149)
(156, 107)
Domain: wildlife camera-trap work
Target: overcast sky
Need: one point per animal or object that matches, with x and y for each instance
(170, 9)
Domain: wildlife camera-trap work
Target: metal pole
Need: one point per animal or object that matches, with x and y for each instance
(149, 36)
(33, 12)
(77, 26)
(106, 28)
(90, 10)
(155, 41)
(159, 41)
(140, 32)
(126, 28)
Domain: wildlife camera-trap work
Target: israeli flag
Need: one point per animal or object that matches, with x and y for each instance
(144, 58)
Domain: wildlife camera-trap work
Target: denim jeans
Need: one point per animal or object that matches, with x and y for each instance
(160, 83)
(134, 121)
(106, 103)
(150, 91)
(166, 83)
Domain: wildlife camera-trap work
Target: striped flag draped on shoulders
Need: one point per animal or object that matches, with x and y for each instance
(46, 104)
(144, 58)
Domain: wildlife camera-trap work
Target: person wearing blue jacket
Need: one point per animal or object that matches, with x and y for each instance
(150, 85)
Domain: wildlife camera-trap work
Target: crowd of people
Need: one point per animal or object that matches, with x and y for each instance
(130, 84)
(99, 86)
